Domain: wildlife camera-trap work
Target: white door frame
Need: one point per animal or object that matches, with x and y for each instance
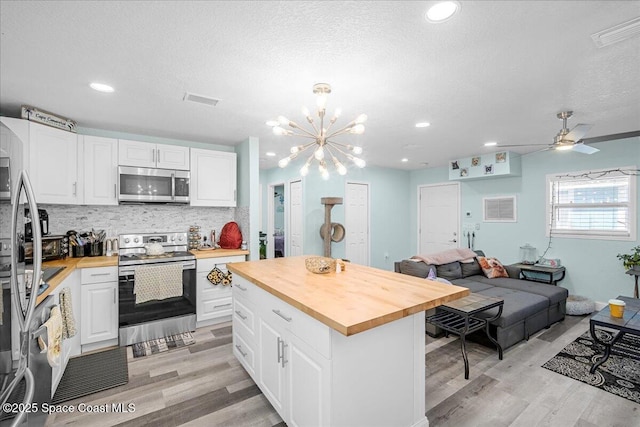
(418, 228)
(287, 217)
(271, 229)
(368, 261)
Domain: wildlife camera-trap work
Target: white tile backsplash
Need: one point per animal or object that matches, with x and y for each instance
(146, 218)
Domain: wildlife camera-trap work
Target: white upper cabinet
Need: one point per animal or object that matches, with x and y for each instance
(53, 164)
(148, 155)
(99, 169)
(213, 178)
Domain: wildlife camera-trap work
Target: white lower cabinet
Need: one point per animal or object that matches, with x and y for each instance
(214, 303)
(99, 292)
(315, 376)
(288, 368)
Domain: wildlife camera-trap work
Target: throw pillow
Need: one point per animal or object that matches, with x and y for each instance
(470, 268)
(492, 268)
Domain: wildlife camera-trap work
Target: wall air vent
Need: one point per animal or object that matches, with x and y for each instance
(617, 34)
(499, 209)
(201, 99)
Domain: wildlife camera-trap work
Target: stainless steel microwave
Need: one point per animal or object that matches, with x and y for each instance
(148, 185)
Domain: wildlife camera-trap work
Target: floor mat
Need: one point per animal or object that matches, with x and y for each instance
(619, 375)
(92, 373)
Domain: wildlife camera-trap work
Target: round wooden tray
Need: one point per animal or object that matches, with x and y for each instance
(206, 248)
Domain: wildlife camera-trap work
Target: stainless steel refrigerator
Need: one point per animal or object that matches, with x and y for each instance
(25, 373)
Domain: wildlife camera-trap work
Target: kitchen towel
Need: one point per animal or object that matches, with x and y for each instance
(66, 308)
(157, 282)
(54, 337)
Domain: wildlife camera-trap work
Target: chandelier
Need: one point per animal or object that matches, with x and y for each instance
(323, 145)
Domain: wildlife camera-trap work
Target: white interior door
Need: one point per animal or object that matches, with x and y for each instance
(357, 223)
(439, 217)
(293, 234)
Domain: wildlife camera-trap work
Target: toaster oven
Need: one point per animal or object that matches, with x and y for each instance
(53, 247)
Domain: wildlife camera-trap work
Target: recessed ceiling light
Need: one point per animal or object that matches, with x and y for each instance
(272, 123)
(101, 87)
(405, 160)
(270, 154)
(423, 124)
(490, 144)
(442, 11)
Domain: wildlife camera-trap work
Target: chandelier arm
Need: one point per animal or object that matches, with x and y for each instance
(306, 147)
(345, 129)
(310, 135)
(333, 145)
(305, 131)
(339, 143)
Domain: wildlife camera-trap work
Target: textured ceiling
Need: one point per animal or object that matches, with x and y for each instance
(497, 70)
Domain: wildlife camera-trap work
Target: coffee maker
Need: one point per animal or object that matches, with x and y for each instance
(43, 217)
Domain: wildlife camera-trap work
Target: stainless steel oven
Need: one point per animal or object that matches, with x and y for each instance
(154, 318)
(147, 185)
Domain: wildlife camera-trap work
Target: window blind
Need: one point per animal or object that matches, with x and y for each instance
(591, 206)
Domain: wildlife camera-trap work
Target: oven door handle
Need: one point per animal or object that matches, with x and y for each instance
(173, 186)
(131, 269)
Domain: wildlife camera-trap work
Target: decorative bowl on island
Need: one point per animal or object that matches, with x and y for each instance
(320, 264)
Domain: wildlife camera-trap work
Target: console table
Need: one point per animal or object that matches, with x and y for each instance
(541, 273)
(457, 317)
(628, 324)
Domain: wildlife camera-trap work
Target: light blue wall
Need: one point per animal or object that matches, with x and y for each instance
(249, 190)
(592, 267)
(389, 213)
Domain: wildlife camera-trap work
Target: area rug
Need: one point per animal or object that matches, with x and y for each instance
(619, 375)
(159, 345)
(92, 373)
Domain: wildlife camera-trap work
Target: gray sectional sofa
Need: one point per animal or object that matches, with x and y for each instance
(528, 306)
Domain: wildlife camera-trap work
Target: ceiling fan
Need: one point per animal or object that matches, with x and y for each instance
(568, 139)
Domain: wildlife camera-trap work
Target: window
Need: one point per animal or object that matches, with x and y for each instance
(595, 204)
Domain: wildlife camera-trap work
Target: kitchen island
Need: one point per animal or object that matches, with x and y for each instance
(335, 349)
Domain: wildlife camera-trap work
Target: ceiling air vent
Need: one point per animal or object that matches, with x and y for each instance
(499, 209)
(201, 99)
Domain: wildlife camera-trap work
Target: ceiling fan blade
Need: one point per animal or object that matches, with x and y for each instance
(612, 137)
(584, 149)
(577, 132)
(525, 145)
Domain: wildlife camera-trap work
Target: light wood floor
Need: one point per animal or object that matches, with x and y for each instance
(204, 385)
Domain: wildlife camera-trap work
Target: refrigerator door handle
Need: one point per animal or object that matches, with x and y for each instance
(24, 316)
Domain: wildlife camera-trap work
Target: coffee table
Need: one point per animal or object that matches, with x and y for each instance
(628, 324)
(458, 317)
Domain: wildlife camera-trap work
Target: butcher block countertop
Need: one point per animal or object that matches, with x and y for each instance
(71, 264)
(353, 301)
(217, 253)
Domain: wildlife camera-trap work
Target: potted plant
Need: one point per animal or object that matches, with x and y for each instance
(631, 260)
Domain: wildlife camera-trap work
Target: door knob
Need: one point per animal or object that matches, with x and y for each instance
(453, 241)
